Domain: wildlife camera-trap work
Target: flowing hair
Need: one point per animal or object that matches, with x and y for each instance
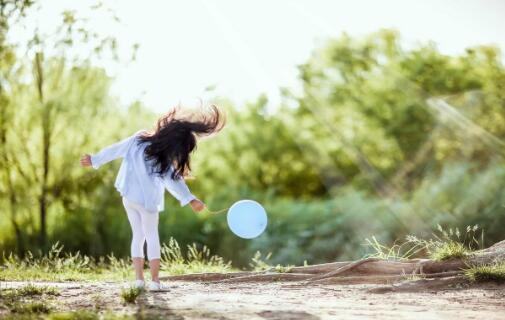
(174, 139)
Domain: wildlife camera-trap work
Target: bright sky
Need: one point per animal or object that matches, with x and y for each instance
(246, 48)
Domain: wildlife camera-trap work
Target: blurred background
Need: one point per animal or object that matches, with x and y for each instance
(345, 120)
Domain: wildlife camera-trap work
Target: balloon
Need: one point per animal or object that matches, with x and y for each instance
(247, 219)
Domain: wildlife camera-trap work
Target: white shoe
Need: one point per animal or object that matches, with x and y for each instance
(138, 284)
(157, 286)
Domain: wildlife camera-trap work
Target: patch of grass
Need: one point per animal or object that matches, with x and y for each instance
(444, 245)
(413, 276)
(258, 263)
(449, 250)
(396, 251)
(75, 315)
(196, 260)
(130, 295)
(32, 290)
(485, 273)
(32, 307)
(283, 269)
(59, 266)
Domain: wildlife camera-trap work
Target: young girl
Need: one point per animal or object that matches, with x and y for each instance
(153, 161)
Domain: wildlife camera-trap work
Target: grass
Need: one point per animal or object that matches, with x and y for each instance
(76, 315)
(444, 245)
(484, 273)
(31, 307)
(21, 300)
(396, 251)
(450, 250)
(32, 290)
(27, 291)
(59, 266)
(130, 295)
(282, 269)
(260, 264)
(196, 260)
(34, 302)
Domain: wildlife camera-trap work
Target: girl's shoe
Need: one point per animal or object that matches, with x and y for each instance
(157, 286)
(138, 284)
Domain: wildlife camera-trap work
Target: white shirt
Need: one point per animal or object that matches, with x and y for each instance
(135, 181)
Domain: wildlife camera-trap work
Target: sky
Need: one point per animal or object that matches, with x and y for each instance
(243, 48)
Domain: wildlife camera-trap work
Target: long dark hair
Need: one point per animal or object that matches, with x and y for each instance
(174, 138)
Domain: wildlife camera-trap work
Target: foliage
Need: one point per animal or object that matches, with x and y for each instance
(196, 261)
(402, 251)
(483, 273)
(59, 266)
(35, 307)
(130, 294)
(32, 290)
(443, 245)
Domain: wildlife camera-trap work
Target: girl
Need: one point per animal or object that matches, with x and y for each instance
(153, 161)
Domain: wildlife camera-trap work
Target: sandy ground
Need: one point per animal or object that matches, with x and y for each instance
(283, 301)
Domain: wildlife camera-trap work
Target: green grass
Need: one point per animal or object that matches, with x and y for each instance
(196, 260)
(444, 245)
(130, 295)
(485, 273)
(450, 250)
(30, 307)
(76, 315)
(32, 290)
(402, 251)
(59, 266)
(27, 301)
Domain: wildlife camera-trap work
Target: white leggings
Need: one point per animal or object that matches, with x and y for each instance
(144, 228)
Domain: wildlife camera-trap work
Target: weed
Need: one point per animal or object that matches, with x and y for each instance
(450, 250)
(130, 294)
(258, 263)
(32, 290)
(402, 251)
(283, 269)
(444, 245)
(491, 272)
(35, 307)
(197, 260)
(59, 266)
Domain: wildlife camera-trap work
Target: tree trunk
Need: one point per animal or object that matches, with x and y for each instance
(46, 144)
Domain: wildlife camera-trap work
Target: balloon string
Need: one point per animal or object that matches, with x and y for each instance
(215, 212)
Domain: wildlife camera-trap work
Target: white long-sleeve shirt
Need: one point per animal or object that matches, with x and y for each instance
(135, 180)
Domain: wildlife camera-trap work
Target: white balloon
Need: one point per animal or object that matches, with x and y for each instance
(247, 219)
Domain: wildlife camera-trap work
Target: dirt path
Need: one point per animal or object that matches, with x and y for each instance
(283, 301)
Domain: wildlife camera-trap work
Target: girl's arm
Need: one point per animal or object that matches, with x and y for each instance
(181, 192)
(107, 154)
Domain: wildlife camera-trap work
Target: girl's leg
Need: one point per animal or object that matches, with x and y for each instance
(138, 239)
(154, 266)
(150, 226)
(138, 266)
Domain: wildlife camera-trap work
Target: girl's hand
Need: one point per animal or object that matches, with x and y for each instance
(197, 205)
(86, 160)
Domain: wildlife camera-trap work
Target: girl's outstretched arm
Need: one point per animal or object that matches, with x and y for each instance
(107, 154)
(181, 192)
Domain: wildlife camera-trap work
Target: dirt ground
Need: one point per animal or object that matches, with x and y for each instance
(188, 300)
